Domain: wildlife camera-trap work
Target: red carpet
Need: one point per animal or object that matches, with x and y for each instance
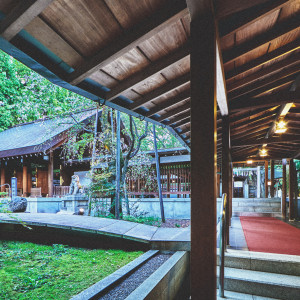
(271, 235)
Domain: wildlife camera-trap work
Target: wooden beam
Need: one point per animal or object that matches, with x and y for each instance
(268, 71)
(168, 103)
(168, 87)
(131, 38)
(247, 17)
(186, 130)
(24, 181)
(278, 98)
(21, 16)
(226, 8)
(273, 140)
(155, 68)
(174, 111)
(260, 61)
(178, 118)
(275, 32)
(266, 82)
(182, 122)
(203, 167)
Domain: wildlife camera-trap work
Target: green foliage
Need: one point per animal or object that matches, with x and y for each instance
(153, 221)
(164, 138)
(25, 96)
(31, 271)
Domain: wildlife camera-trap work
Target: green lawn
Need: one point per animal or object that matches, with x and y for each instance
(31, 271)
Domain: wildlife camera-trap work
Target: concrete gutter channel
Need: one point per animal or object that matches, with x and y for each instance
(164, 283)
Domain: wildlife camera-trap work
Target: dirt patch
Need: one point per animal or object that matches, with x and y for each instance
(176, 223)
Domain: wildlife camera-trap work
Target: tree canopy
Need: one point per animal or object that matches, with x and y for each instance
(25, 96)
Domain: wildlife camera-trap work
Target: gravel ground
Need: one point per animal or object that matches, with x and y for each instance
(126, 287)
(176, 223)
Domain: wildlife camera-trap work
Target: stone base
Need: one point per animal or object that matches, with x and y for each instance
(72, 203)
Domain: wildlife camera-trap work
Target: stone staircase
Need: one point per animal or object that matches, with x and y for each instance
(252, 275)
(268, 207)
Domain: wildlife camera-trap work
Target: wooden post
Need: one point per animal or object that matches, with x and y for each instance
(225, 170)
(266, 178)
(203, 150)
(25, 181)
(283, 196)
(50, 174)
(118, 168)
(292, 190)
(162, 212)
(2, 179)
(230, 191)
(258, 182)
(272, 179)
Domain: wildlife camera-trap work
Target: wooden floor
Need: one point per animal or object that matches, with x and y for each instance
(158, 238)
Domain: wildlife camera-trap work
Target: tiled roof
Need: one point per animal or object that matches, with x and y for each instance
(38, 136)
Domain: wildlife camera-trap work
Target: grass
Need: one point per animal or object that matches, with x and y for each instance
(31, 271)
(144, 220)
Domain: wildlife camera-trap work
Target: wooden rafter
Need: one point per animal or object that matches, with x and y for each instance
(278, 30)
(279, 98)
(264, 59)
(182, 122)
(21, 16)
(185, 95)
(273, 140)
(131, 39)
(178, 118)
(168, 87)
(249, 16)
(156, 67)
(268, 71)
(174, 111)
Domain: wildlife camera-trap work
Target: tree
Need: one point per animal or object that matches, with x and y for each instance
(25, 96)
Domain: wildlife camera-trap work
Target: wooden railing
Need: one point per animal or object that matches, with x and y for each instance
(60, 190)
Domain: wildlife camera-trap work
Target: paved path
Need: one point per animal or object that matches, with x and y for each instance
(158, 238)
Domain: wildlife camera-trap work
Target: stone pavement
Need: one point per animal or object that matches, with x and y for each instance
(158, 238)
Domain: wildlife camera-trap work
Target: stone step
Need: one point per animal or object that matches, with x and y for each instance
(229, 295)
(256, 209)
(256, 214)
(264, 262)
(263, 284)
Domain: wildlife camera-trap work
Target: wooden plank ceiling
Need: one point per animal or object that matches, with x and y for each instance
(139, 51)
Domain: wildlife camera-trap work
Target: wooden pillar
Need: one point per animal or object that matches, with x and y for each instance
(2, 179)
(50, 174)
(283, 196)
(230, 191)
(225, 169)
(203, 150)
(272, 190)
(266, 179)
(258, 182)
(291, 190)
(25, 180)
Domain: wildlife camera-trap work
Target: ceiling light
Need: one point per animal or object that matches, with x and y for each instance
(263, 152)
(250, 161)
(280, 127)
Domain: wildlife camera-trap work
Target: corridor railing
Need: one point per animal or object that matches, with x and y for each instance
(222, 243)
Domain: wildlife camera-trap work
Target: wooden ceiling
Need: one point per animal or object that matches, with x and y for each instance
(134, 56)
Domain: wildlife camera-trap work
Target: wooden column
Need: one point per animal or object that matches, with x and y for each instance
(291, 190)
(258, 182)
(230, 191)
(203, 150)
(225, 169)
(272, 190)
(2, 179)
(50, 174)
(25, 180)
(266, 178)
(283, 196)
